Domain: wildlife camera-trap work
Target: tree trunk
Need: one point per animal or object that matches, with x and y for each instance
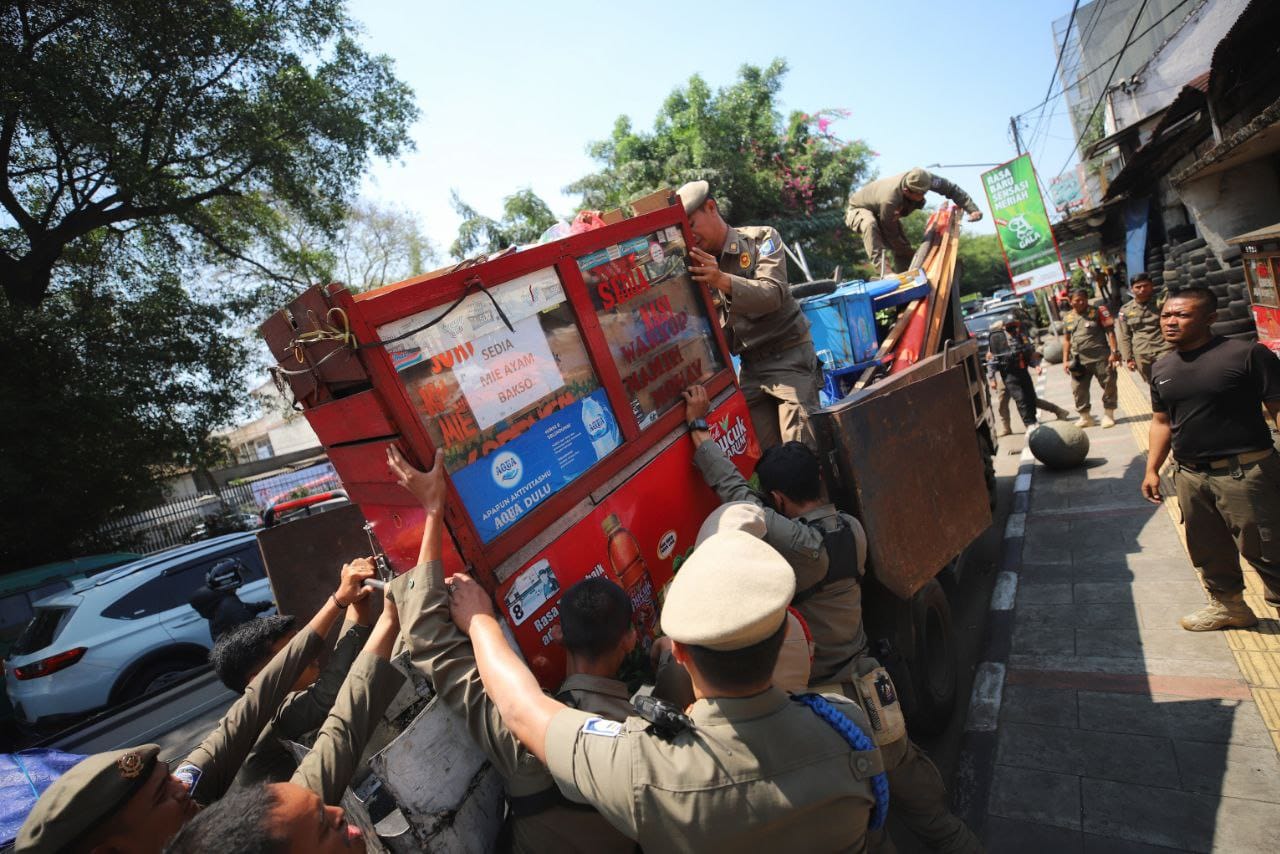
(26, 280)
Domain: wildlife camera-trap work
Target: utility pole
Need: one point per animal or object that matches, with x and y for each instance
(1017, 139)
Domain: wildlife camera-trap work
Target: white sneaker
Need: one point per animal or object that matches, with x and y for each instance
(1108, 418)
(1086, 420)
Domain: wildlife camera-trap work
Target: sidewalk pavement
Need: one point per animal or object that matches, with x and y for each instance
(1111, 728)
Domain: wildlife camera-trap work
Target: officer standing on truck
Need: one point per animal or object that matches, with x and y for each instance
(875, 212)
(1089, 353)
(827, 551)
(1010, 355)
(1138, 328)
(747, 270)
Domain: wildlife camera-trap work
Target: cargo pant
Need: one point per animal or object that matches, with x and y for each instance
(781, 390)
(864, 223)
(917, 794)
(1105, 373)
(1144, 363)
(1229, 515)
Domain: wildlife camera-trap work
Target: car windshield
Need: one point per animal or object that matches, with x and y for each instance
(42, 630)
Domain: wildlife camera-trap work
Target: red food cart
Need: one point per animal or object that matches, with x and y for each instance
(550, 378)
(1260, 251)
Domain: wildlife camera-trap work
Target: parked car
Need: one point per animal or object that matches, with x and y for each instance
(124, 633)
(19, 591)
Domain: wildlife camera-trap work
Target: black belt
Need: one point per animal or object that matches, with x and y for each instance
(1231, 464)
(523, 806)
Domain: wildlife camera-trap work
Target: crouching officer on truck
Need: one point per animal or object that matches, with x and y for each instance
(827, 551)
(747, 767)
(747, 269)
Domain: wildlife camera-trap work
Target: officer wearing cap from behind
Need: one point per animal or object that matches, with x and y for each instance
(1138, 328)
(747, 270)
(875, 211)
(749, 767)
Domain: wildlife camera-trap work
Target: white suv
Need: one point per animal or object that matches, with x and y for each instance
(123, 633)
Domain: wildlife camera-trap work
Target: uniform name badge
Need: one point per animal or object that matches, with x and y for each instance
(601, 726)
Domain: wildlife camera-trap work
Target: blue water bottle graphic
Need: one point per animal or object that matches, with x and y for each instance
(600, 427)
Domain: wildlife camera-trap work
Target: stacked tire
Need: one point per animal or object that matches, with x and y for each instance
(1190, 262)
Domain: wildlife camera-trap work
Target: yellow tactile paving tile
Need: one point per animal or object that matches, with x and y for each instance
(1260, 669)
(1268, 701)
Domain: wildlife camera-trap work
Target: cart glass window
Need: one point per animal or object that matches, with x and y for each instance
(653, 318)
(516, 408)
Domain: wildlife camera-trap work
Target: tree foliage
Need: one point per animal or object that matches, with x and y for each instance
(374, 245)
(525, 217)
(982, 265)
(181, 112)
(143, 144)
(114, 384)
(793, 173)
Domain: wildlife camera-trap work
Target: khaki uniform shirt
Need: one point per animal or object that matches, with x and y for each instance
(369, 688)
(302, 713)
(885, 201)
(760, 773)
(1138, 331)
(444, 654)
(221, 754)
(834, 613)
(1088, 335)
(759, 314)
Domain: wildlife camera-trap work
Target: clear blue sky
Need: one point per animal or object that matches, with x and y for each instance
(511, 93)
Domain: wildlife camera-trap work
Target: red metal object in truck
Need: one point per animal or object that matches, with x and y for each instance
(550, 378)
(1260, 255)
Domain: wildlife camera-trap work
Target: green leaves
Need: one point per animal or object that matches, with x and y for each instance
(792, 173)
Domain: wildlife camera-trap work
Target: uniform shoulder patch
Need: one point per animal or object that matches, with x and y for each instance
(745, 260)
(188, 775)
(768, 246)
(602, 726)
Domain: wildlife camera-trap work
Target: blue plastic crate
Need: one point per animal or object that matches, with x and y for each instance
(843, 325)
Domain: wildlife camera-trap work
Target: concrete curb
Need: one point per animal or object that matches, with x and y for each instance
(976, 764)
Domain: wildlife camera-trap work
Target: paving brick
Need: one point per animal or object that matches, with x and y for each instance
(1007, 836)
(1251, 773)
(1036, 796)
(1186, 592)
(1103, 845)
(1141, 642)
(1246, 827)
(1046, 706)
(1110, 756)
(1150, 815)
(1059, 593)
(1043, 638)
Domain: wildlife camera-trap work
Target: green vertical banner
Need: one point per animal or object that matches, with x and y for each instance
(1022, 225)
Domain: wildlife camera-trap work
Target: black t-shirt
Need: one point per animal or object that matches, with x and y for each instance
(1213, 396)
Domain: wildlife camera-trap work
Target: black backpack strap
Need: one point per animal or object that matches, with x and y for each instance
(841, 546)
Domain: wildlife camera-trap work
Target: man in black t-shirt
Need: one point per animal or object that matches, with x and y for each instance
(1207, 397)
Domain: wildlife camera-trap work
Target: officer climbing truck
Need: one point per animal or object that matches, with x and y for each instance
(549, 378)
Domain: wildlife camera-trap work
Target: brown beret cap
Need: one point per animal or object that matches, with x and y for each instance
(84, 797)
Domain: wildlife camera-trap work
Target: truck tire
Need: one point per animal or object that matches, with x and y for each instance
(934, 666)
(155, 675)
(1231, 327)
(1238, 309)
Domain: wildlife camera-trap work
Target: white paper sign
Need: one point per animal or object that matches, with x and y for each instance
(508, 372)
(475, 316)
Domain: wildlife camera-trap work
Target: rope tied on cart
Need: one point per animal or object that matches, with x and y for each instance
(471, 284)
(858, 740)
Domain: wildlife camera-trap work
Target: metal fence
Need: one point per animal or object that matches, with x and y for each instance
(177, 522)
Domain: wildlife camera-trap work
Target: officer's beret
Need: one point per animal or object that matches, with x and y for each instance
(731, 593)
(917, 180)
(693, 195)
(734, 516)
(84, 797)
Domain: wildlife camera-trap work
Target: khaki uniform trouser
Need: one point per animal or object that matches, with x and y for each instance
(864, 222)
(1105, 373)
(1144, 364)
(917, 796)
(781, 390)
(1228, 516)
